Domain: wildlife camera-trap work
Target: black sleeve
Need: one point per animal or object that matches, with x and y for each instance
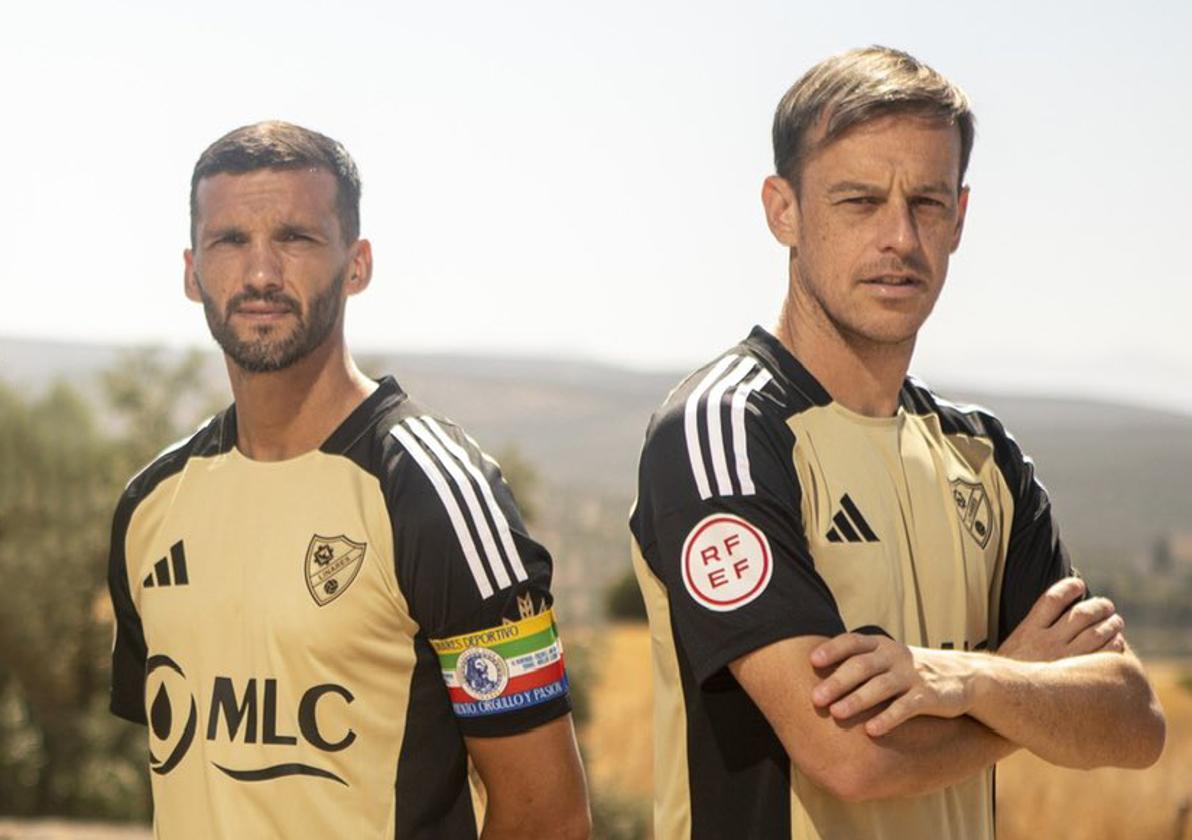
(476, 583)
(729, 544)
(128, 649)
(1036, 557)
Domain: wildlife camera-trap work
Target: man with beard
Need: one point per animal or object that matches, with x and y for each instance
(826, 547)
(307, 589)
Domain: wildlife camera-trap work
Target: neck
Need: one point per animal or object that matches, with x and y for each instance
(862, 375)
(285, 413)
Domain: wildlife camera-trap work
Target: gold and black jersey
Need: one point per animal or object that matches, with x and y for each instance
(767, 511)
(309, 641)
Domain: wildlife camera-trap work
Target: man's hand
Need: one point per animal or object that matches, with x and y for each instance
(1056, 628)
(871, 670)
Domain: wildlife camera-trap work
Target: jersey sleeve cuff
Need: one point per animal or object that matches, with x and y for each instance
(733, 647)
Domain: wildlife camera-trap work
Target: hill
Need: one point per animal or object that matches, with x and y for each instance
(1121, 476)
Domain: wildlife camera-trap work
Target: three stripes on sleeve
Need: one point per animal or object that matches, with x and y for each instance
(479, 523)
(708, 400)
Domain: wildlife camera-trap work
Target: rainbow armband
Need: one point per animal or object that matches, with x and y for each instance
(503, 669)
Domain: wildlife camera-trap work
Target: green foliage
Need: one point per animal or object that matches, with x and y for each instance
(522, 478)
(61, 752)
(1185, 681)
(581, 676)
(623, 600)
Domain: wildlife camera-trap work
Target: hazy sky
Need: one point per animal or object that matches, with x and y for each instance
(583, 179)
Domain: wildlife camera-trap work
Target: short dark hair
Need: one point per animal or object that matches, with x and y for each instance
(275, 144)
(855, 87)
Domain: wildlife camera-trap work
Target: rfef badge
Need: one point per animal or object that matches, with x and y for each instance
(726, 562)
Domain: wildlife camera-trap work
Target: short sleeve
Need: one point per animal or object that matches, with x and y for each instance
(1035, 557)
(476, 583)
(719, 522)
(129, 651)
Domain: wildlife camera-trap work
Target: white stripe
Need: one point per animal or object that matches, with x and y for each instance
(691, 426)
(519, 571)
(453, 512)
(740, 443)
(495, 565)
(716, 439)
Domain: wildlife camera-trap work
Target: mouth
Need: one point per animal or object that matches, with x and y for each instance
(895, 285)
(262, 312)
(894, 280)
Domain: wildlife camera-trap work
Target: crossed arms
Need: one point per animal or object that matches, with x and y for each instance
(868, 718)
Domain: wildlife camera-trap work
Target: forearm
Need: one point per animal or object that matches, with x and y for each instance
(925, 754)
(1084, 711)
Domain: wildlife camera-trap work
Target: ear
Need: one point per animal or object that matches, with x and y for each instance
(359, 267)
(190, 280)
(782, 210)
(961, 209)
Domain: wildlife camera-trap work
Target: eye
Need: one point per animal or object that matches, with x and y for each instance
(925, 201)
(861, 200)
(233, 238)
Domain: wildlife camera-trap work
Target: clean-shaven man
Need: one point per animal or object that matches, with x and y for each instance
(858, 597)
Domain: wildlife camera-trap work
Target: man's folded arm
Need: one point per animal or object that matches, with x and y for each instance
(922, 755)
(1086, 711)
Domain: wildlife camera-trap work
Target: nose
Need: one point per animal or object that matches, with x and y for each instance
(899, 231)
(263, 270)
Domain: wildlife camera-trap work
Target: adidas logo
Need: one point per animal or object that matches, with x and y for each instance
(849, 525)
(171, 572)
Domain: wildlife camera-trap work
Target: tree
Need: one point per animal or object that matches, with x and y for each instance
(60, 476)
(623, 600)
(522, 478)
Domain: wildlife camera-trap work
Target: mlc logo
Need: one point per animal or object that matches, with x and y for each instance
(171, 736)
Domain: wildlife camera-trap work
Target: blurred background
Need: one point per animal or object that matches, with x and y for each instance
(563, 204)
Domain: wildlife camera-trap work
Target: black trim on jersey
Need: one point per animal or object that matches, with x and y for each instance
(780, 361)
(737, 769)
(431, 570)
(1036, 557)
(434, 801)
(129, 652)
(670, 506)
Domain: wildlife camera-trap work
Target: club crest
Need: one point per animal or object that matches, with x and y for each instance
(331, 565)
(482, 673)
(976, 514)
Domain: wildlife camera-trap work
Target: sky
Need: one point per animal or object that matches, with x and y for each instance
(582, 180)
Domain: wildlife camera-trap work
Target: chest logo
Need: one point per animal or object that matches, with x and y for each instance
(331, 565)
(976, 514)
(849, 525)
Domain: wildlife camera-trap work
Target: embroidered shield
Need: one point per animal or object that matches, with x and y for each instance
(976, 514)
(331, 566)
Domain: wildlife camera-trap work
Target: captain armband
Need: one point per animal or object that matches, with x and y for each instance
(503, 669)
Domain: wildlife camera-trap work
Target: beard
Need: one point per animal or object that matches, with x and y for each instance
(268, 349)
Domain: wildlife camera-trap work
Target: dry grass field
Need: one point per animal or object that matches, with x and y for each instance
(1035, 800)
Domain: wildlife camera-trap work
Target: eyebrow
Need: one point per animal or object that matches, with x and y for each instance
(933, 187)
(306, 230)
(220, 232)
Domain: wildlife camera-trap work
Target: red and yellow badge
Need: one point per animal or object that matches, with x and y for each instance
(331, 565)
